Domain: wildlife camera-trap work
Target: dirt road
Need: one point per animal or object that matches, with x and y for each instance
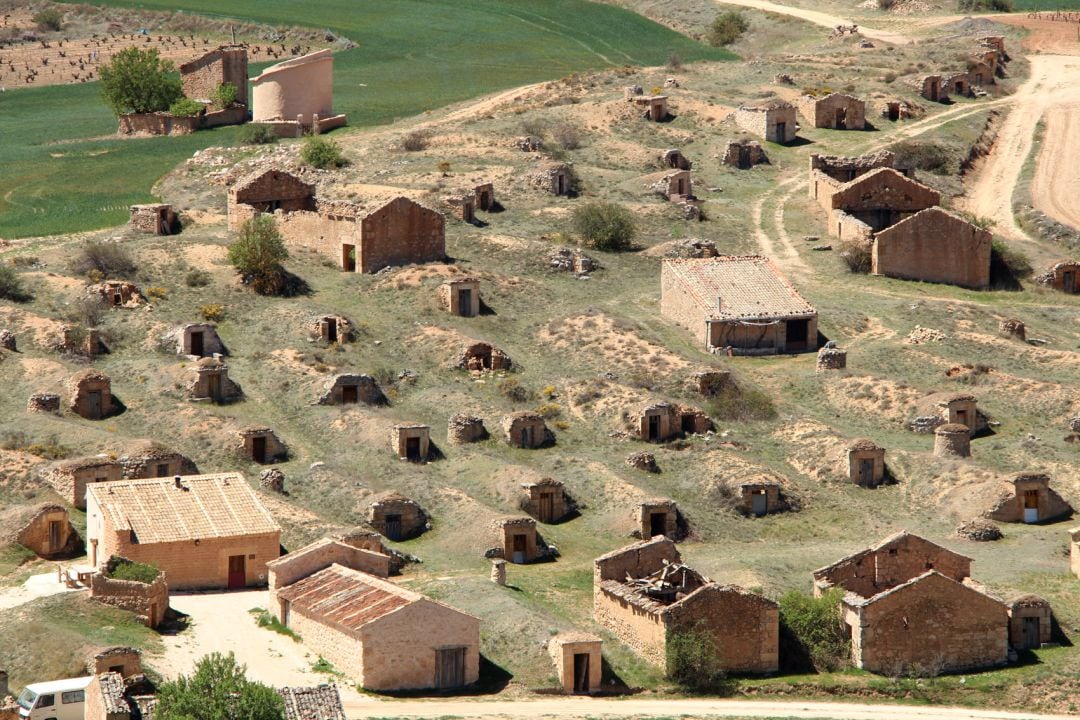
(556, 707)
(820, 18)
(1056, 186)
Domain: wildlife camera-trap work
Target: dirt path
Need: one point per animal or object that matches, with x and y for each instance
(820, 18)
(1056, 186)
(557, 707)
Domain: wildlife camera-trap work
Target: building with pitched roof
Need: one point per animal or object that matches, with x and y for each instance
(380, 635)
(320, 702)
(738, 303)
(202, 531)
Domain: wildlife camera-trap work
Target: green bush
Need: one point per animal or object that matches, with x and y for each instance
(258, 253)
(218, 688)
(197, 277)
(103, 259)
(119, 568)
(224, 96)
(692, 662)
(741, 404)
(727, 28)
(185, 107)
(48, 20)
(605, 226)
(813, 634)
(321, 152)
(257, 134)
(139, 81)
(11, 286)
(929, 156)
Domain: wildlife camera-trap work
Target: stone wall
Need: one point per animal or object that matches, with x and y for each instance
(934, 246)
(91, 395)
(399, 441)
(149, 602)
(159, 123)
(1025, 609)
(34, 530)
(155, 219)
(401, 232)
(642, 631)
(463, 429)
(320, 555)
(410, 517)
(344, 651)
(275, 449)
(450, 297)
(525, 429)
(544, 500)
(744, 627)
(1064, 277)
(868, 452)
(346, 389)
(680, 307)
(104, 698)
(892, 563)
(564, 647)
(201, 77)
(506, 530)
(637, 560)
(835, 110)
(764, 122)
(758, 338)
(70, 479)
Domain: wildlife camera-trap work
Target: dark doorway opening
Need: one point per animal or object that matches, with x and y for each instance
(657, 524)
(258, 449)
(581, 673)
(798, 333)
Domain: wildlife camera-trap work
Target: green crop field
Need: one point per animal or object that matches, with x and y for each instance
(65, 172)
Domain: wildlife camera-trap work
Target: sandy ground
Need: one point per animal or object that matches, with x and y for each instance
(1056, 186)
(36, 586)
(596, 707)
(820, 18)
(220, 622)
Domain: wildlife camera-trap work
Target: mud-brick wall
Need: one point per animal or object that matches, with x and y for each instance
(149, 600)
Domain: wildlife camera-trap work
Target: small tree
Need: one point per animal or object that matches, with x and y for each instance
(693, 662)
(11, 286)
(139, 81)
(321, 152)
(258, 253)
(218, 689)
(605, 226)
(224, 96)
(101, 259)
(813, 631)
(727, 28)
(48, 20)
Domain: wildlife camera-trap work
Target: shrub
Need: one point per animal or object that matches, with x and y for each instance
(513, 390)
(693, 663)
(197, 278)
(549, 410)
(119, 568)
(185, 107)
(321, 152)
(258, 253)
(212, 312)
(856, 255)
(813, 634)
(605, 226)
(139, 81)
(11, 286)
(50, 448)
(257, 134)
(567, 136)
(48, 20)
(741, 404)
(109, 260)
(156, 292)
(224, 96)
(415, 141)
(727, 28)
(218, 688)
(930, 156)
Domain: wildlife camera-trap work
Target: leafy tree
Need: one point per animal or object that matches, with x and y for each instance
(48, 19)
(11, 285)
(258, 253)
(813, 634)
(605, 226)
(218, 690)
(727, 28)
(139, 81)
(321, 152)
(693, 663)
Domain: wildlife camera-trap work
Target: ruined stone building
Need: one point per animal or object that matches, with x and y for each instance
(91, 395)
(267, 191)
(44, 529)
(526, 429)
(829, 172)
(873, 202)
(958, 84)
(909, 609)
(483, 357)
(411, 441)
(835, 111)
(578, 662)
(351, 390)
(155, 219)
(952, 408)
(673, 158)
(674, 185)
(197, 339)
(744, 154)
(932, 88)
(297, 95)
(210, 381)
(1064, 276)
(656, 517)
(148, 601)
(934, 245)
(1028, 498)
(118, 689)
(463, 205)
(118, 293)
(378, 634)
(545, 500)
(774, 121)
(644, 595)
(226, 65)
(202, 531)
(332, 329)
(553, 178)
(462, 429)
(397, 517)
(739, 304)
(461, 297)
(952, 440)
(660, 422)
(866, 463)
(261, 445)
(652, 107)
(484, 197)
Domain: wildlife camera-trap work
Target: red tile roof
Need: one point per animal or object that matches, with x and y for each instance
(347, 598)
(739, 287)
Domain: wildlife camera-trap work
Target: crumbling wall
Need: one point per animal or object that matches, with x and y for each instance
(148, 601)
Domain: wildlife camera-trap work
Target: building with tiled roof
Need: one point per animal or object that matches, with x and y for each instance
(739, 304)
(379, 634)
(202, 531)
(321, 702)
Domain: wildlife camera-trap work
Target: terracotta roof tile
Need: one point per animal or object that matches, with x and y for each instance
(739, 287)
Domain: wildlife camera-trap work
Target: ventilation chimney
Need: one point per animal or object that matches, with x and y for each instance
(179, 485)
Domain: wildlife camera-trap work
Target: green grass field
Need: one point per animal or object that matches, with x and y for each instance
(65, 172)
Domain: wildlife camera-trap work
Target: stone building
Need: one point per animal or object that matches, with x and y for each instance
(378, 634)
(463, 205)
(660, 422)
(578, 662)
(463, 429)
(484, 197)
(835, 111)
(710, 382)
(352, 389)
(127, 661)
(866, 463)
(545, 500)
(147, 601)
(932, 88)
(551, 177)
(774, 121)
(952, 440)
(757, 499)
(934, 245)
(947, 408)
(482, 357)
(117, 293)
(372, 559)
(516, 540)
(332, 329)
(297, 95)
(149, 459)
(652, 107)
(644, 595)
(155, 219)
(397, 517)
(526, 429)
(1064, 276)
(674, 185)
(411, 441)
(744, 154)
(830, 357)
(197, 339)
(881, 198)
(1028, 498)
(226, 65)
(656, 517)
(202, 531)
(741, 305)
(910, 611)
(261, 445)
(673, 158)
(829, 172)
(91, 395)
(267, 191)
(321, 702)
(981, 72)
(1031, 622)
(44, 529)
(211, 382)
(461, 297)
(69, 478)
(958, 84)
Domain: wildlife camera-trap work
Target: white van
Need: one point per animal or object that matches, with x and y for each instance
(56, 700)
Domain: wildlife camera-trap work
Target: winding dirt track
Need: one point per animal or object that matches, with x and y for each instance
(1056, 187)
(820, 18)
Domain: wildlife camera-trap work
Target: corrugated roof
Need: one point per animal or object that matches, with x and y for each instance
(739, 287)
(347, 598)
(205, 506)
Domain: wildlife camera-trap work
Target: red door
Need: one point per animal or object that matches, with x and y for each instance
(237, 574)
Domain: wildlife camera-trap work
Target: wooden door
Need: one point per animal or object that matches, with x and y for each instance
(213, 387)
(393, 527)
(465, 302)
(237, 572)
(781, 132)
(54, 536)
(1030, 637)
(547, 507)
(93, 404)
(1068, 282)
(449, 668)
(1031, 506)
(581, 673)
(962, 417)
(526, 437)
(759, 503)
(197, 343)
(258, 449)
(866, 473)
